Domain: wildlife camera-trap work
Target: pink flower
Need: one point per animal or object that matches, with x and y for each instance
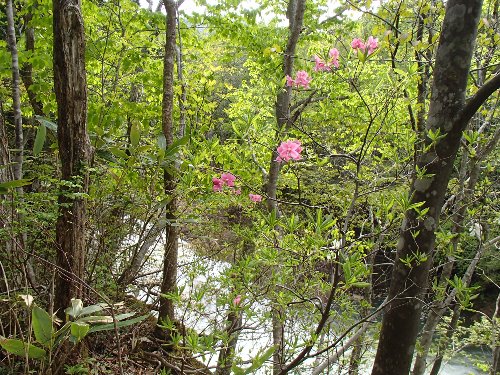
(302, 79)
(237, 300)
(334, 55)
(372, 44)
(358, 43)
(368, 48)
(237, 192)
(218, 184)
(255, 197)
(228, 179)
(288, 150)
(320, 66)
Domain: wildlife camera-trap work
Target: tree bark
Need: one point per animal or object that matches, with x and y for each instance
(27, 68)
(70, 87)
(16, 95)
(468, 178)
(449, 116)
(495, 345)
(169, 283)
(295, 15)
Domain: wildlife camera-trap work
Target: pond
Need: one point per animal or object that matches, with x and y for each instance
(197, 272)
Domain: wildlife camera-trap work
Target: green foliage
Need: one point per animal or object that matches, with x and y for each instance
(73, 330)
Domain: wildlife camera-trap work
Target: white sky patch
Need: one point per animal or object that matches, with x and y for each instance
(190, 7)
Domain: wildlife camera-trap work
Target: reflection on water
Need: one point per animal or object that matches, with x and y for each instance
(197, 272)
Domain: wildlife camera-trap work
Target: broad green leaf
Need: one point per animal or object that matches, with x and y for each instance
(79, 330)
(162, 142)
(93, 309)
(21, 348)
(47, 123)
(124, 323)
(42, 326)
(14, 184)
(135, 135)
(118, 152)
(41, 134)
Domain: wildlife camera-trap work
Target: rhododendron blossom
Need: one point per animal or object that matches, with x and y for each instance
(228, 179)
(288, 150)
(357, 44)
(372, 44)
(334, 55)
(302, 79)
(255, 197)
(320, 66)
(368, 48)
(237, 300)
(218, 184)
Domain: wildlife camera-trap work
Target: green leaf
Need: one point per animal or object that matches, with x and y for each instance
(174, 147)
(118, 152)
(42, 326)
(21, 348)
(259, 360)
(4, 186)
(135, 135)
(41, 134)
(47, 123)
(124, 323)
(162, 142)
(93, 309)
(79, 330)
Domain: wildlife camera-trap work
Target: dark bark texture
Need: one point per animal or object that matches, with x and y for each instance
(416, 243)
(169, 283)
(74, 149)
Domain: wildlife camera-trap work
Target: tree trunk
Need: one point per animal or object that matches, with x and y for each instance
(169, 283)
(16, 95)
(495, 365)
(226, 355)
(468, 178)
(27, 69)
(449, 116)
(70, 87)
(295, 15)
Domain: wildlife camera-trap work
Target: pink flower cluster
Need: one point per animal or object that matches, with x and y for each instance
(289, 150)
(255, 197)
(302, 79)
(369, 47)
(225, 179)
(321, 66)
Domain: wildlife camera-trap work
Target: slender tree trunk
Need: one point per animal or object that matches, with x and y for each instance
(5, 175)
(16, 95)
(495, 346)
(295, 15)
(357, 350)
(449, 115)
(226, 355)
(27, 69)
(131, 271)
(169, 283)
(21, 239)
(70, 87)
